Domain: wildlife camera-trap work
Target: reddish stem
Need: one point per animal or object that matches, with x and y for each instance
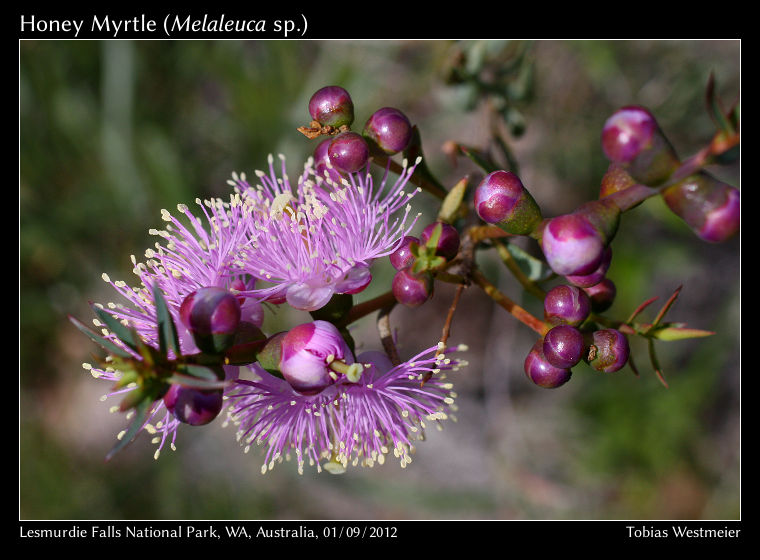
(518, 312)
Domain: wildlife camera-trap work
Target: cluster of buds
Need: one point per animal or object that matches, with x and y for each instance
(387, 131)
(577, 245)
(417, 259)
(572, 338)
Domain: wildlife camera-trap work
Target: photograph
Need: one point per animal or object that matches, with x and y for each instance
(377, 279)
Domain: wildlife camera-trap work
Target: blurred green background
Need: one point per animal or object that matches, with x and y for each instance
(111, 132)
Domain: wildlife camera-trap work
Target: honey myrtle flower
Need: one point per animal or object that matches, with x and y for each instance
(204, 253)
(358, 422)
(196, 256)
(319, 237)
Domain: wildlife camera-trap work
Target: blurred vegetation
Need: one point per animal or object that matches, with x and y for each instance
(113, 131)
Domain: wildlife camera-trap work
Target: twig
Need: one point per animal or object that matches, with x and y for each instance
(518, 312)
(365, 308)
(386, 334)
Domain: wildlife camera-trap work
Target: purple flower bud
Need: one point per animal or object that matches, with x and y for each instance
(609, 350)
(632, 137)
(627, 133)
(602, 295)
(212, 315)
(322, 164)
(588, 280)
(348, 152)
(709, 206)
(332, 105)
(307, 352)
(389, 129)
(448, 242)
(572, 246)
(412, 289)
(193, 406)
(402, 257)
(566, 305)
(563, 346)
(541, 372)
(722, 222)
(501, 199)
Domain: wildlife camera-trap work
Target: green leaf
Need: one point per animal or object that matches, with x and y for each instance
(479, 158)
(656, 363)
(167, 332)
(125, 334)
(716, 111)
(200, 372)
(670, 333)
(142, 412)
(104, 342)
(452, 202)
(533, 268)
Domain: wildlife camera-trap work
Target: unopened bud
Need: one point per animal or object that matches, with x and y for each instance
(501, 199)
(348, 152)
(389, 130)
(602, 295)
(541, 372)
(588, 280)
(412, 289)
(212, 316)
(709, 206)
(609, 350)
(563, 346)
(566, 305)
(572, 245)
(332, 105)
(448, 240)
(632, 137)
(193, 406)
(307, 352)
(403, 257)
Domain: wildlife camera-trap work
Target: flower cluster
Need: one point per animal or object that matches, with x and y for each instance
(190, 336)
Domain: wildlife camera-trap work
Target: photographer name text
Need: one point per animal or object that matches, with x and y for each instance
(680, 532)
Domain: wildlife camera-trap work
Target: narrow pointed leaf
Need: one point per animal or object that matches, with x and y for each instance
(716, 111)
(666, 308)
(132, 399)
(125, 334)
(104, 342)
(632, 365)
(480, 159)
(200, 372)
(639, 309)
(679, 333)
(167, 332)
(142, 411)
(452, 202)
(656, 364)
